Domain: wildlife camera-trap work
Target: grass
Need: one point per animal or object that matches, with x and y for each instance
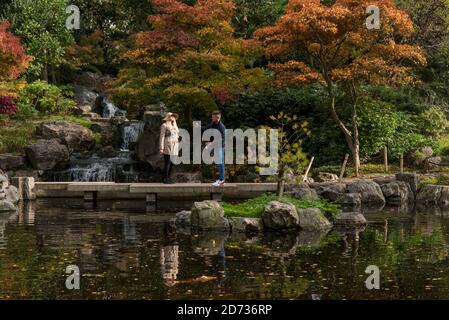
(440, 180)
(255, 207)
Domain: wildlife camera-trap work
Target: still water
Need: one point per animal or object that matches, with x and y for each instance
(127, 254)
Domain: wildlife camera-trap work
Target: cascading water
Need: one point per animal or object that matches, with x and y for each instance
(130, 133)
(121, 168)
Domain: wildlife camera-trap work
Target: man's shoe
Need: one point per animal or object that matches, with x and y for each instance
(218, 183)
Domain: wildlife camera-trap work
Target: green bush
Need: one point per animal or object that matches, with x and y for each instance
(47, 98)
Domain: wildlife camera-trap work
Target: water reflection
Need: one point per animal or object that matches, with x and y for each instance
(127, 254)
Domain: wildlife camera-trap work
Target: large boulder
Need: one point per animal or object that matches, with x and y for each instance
(350, 201)
(10, 161)
(12, 194)
(350, 219)
(411, 178)
(429, 194)
(91, 81)
(147, 148)
(208, 215)
(280, 215)
(370, 192)
(324, 186)
(8, 194)
(47, 154)
(84, 96)
(397, 192)
(246, 225)
(74, 136)
(303, 191)
(313, 219)
(7, 206)
(108, 132)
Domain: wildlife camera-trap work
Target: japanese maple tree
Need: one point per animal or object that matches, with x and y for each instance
(333, 46)
(190, 58)
(13, 59)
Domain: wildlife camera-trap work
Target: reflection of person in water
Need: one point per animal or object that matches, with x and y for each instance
(169, 264)
(169, 254)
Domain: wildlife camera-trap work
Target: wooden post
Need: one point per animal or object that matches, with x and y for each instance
(401, 163)
(304, 178)
(386, 158)
(343, 167)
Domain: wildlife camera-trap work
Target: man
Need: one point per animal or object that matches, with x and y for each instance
(216, 124)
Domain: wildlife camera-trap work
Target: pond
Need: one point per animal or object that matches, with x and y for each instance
(123, 253)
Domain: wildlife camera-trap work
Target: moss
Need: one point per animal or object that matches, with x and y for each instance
(254, 207)
(440, 180)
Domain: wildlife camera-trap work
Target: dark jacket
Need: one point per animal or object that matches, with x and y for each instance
(217, 126)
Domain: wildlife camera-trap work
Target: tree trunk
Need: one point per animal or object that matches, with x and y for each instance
(352, 138)
(44, 73)
(281, 182)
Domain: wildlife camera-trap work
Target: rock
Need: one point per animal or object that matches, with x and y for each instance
(107, 131)
(303, 191)
(397, 192)
(313, 219)
(246, 225)
(444, 198)
(7, 206)
(350, 219)
(91, 81)
(4, 182)
(147, 148)
(106, 108)
(208, 215)
(84, 96)
(384, 179)
(47, 154)
(10, 161)
(25, 187)
(188, 177)
(350, 201)
(411, 179)
(321, 187)
(279, 215)
(429, 194)
(81, 110)
(330, 195)
(74, 136)
(12, 194)
(369, 190)
(325, 176)
(433, 163)
(182, 219)
(108, 152)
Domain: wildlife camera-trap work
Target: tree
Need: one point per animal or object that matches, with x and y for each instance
(41, 25)
(251, 15)
(332, 45)
(190, 58)
(13, 60)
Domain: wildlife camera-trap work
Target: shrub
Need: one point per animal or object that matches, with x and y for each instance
(7, 105)
(47, 98)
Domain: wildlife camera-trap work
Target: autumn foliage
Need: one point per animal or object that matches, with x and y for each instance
(13, 59)
(190, 58)
(332, 45)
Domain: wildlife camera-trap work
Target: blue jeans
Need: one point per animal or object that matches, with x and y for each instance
(221, 164)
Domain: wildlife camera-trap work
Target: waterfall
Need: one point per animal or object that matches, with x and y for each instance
(93, 168)
(130, 133)
(109, 109)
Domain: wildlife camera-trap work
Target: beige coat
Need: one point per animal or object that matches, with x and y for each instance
(169, 140)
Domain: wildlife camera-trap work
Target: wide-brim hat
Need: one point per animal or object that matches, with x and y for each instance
(170, 114)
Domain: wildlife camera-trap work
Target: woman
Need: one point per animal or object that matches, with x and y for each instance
(169, 143)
